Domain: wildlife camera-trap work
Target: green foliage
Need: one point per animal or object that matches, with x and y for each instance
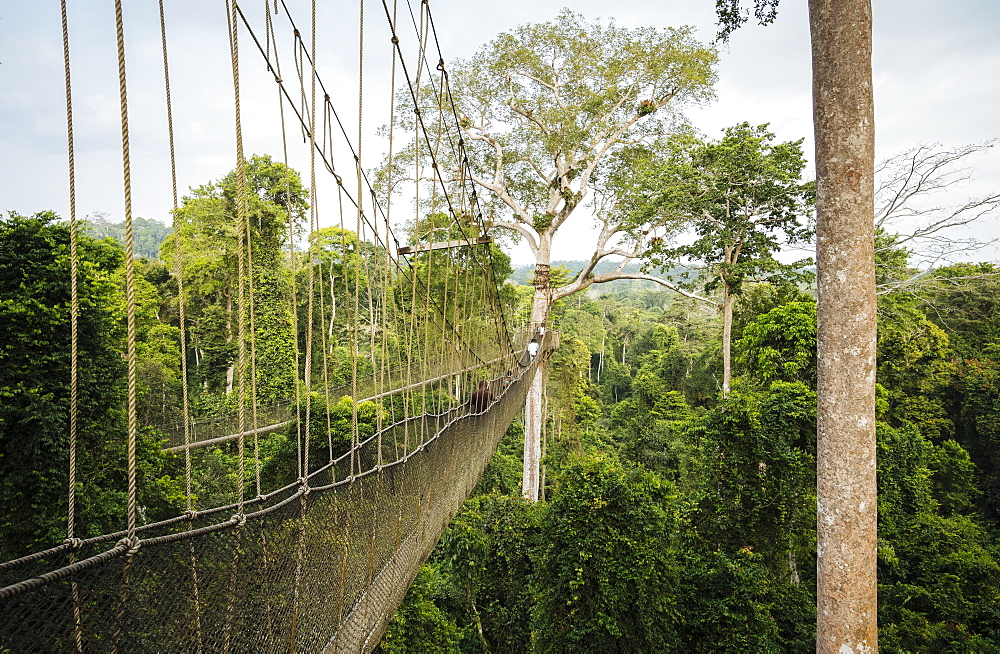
(979, 424)
(35, 387)
(742, 195)
(939, 577)
(209, 237)
(732, 15)
(147, 234)
(759, 486)
(733, 604)
(419, 625)
(487, 550)
(780, 345)
(964, 300)
(915, 366)
(953, 480)
(503, 473)
(602, 562)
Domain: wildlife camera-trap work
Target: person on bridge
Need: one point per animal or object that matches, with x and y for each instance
(533, 347)
(481, 398)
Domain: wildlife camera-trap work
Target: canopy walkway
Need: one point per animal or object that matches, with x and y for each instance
(317, 557)
(318, 565)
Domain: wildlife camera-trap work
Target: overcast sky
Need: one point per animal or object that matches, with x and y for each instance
(936, 71)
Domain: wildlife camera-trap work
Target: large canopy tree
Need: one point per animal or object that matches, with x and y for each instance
(541, 108)
(743, 197)
(210, 263)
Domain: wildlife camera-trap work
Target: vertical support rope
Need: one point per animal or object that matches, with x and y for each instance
(133, 422)
(74, 306)
(242, 220)
(357, 266)
(74, 319)
(313, 225)
(292, 259)
(178, 268)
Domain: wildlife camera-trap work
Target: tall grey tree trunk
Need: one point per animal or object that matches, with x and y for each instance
(533, 404)
(533, 435)
(843, 116)
(727, 340)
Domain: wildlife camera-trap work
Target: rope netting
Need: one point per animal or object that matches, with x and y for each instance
(404, 373)
(311, 568)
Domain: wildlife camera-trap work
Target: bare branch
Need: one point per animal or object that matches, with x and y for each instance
(910, 178)
(520, 229)
(582, 283)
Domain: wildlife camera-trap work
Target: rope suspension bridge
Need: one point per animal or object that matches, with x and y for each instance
(316, 556)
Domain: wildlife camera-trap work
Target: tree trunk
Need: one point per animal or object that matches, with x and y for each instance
(843, 115)
(727, 339)
(600, 361)
(533, 435)
(533, 404)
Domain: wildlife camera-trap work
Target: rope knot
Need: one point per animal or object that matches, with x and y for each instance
(239, 519)
(440, 65)
(132, 544)
(395, 40)
(278, 79)
(75, 543)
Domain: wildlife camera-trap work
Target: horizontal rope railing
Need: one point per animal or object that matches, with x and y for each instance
(218, 426)
(371, 398)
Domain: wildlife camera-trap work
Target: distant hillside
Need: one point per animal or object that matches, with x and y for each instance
(147, 234)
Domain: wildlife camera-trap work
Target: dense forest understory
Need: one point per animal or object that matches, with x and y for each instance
(676, 519)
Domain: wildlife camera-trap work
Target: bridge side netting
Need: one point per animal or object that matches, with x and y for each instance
(321, 570)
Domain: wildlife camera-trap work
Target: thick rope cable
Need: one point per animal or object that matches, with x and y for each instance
(313, 226)
(357, 267)
(133, 423)
(74, 307)
(242, 218)
(74, 329)
(292, 258)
